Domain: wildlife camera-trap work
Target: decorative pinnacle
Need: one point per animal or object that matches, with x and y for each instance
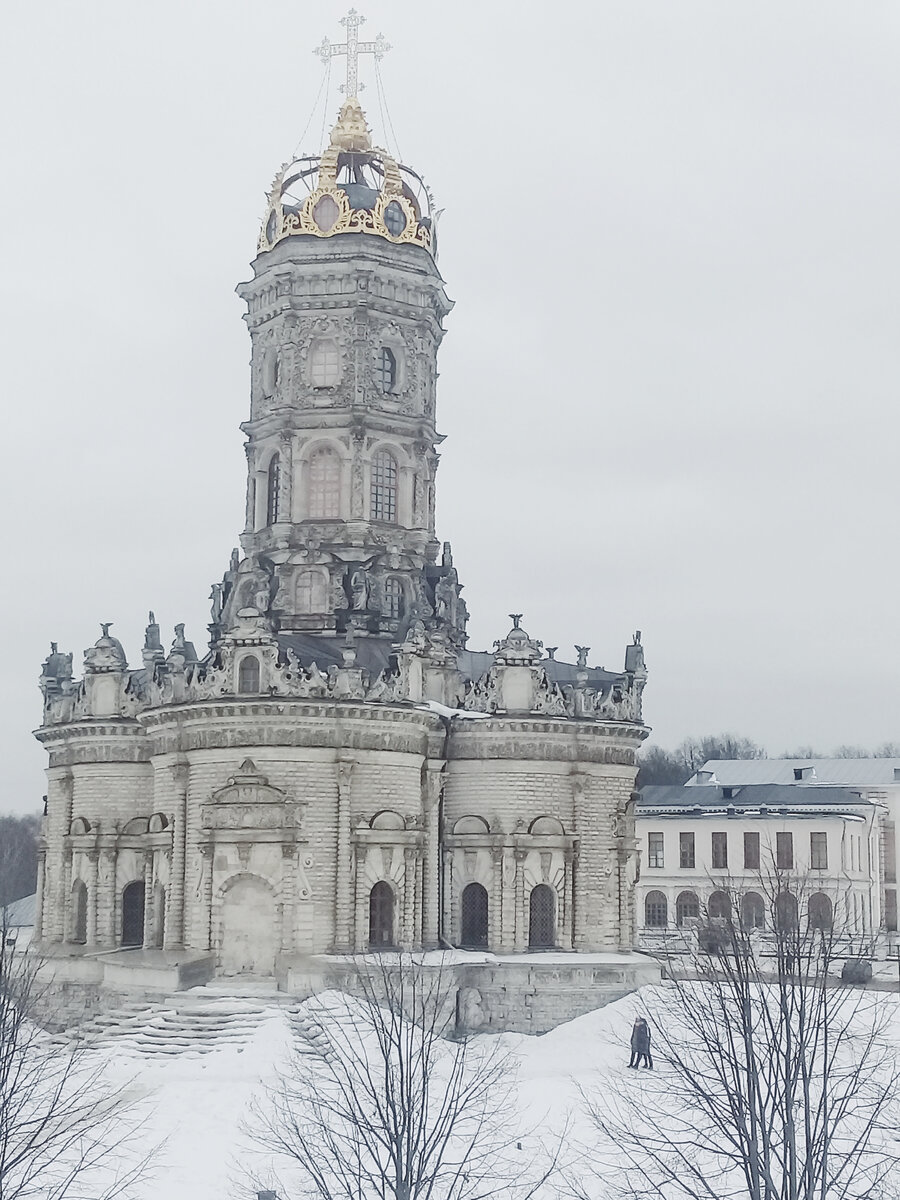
(515, 618)
(353, 47)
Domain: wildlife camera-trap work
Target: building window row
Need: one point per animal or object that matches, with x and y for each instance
(784, 851)
(324, 487)
(785, 914)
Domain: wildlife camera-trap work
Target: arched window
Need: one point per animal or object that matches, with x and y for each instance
(719, 907)
(542, 918)
(474, 913)
(470, 824)
(248, 675)
(381, 916)
(324, 364)
(393, 597)
(546, 827)
(821, 912)
(312, 591)
(687, 908)
(324, 485)
(786, 917)
(384, 487)
(753, 911)
(386, 370)
(79, 912)
(656, 910)
(133, 914)
(273, 490)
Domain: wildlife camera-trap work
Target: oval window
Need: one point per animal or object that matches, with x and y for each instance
(395, 219)
(326, 213)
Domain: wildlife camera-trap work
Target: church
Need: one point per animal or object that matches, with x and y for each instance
(337, 771)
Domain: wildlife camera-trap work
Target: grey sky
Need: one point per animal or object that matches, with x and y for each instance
(669, 384)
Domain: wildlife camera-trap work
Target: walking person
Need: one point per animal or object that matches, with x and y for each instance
(640, 1045)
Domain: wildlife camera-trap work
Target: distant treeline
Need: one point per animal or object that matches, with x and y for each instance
(18, 857)
(677, 766)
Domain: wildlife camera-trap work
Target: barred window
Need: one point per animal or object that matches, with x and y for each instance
(655, 856)
(542, 918)
(687, 908)
(324, 364)
(324, 485)
(393, 598)
(273, 491)
(386, 370)
(656, 910)
(384, 487)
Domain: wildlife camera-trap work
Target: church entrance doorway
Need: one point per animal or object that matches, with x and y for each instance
(381, 916)
(133, 914)
(542, 918)
(249, 936)
(474, 917)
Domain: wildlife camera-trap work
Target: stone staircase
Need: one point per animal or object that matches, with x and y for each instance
(187, 1023)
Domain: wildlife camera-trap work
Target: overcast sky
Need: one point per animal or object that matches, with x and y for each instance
(669, 385)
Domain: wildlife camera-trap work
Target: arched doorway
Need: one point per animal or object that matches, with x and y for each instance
(474, 913)
(541, 918)
(381, 916)
(133, 914)
(249, 936)
(79, 912)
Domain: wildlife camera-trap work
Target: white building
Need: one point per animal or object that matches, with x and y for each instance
(701, 844)
(876, 779)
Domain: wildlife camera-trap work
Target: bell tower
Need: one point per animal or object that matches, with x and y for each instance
(345, 313)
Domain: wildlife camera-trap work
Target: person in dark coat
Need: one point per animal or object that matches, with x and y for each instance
(640, 1045)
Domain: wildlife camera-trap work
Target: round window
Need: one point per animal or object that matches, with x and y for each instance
(395, 219)
(326, 214)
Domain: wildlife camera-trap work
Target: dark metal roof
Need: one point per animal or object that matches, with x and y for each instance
(773, 796)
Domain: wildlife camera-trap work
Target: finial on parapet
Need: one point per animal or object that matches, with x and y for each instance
(634, 656)
(582, 652)
(551, 651)
(516, 619)
(106, 626)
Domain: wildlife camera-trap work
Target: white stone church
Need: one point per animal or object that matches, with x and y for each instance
(337, 771)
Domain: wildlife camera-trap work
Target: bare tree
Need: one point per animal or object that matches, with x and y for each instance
(64, 1127)
(18, 857)
(774, 1078)
(379, 1102)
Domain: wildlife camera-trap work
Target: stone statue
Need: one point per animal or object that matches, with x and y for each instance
(582, 652)
(359, 589)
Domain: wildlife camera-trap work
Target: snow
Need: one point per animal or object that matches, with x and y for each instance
(199, 1099)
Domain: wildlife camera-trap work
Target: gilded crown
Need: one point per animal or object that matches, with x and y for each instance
(353, 187)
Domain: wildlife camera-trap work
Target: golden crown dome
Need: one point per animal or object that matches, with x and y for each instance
(353, 187)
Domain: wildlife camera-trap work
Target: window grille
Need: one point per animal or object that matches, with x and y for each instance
(686, 850)
(474, 913)
(384, 487)
(324, 485)
(312, 592)
(273, 490)
(687, 908)
(386, 370)
(655, 855)
(393, 598)
(324, 364)
(656, 910)
(542, 918)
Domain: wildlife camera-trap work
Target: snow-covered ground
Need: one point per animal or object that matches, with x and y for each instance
(197, 1096)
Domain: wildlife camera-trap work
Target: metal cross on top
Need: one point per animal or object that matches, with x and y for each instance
(353, 47)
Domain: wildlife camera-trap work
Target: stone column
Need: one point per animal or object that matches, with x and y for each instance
(288, 851)
(580, 886)
(286, 477)
(447, 914)
(67, 894)
(205, 930)
(250, 523)
(361, 925)
(149, 907)
(407, 937)
(175, 894)
(565, 923)
(39, 898)
(108, 923)
(508, 870)
(521, 941)
(342, 859)
(93, 897)
(60, 810)
(495, 925)
(429, 865)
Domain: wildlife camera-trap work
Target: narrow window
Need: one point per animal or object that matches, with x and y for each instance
(656, 910)
(133, 914)
(248, 674)
(324, 364)
(687, 855)
(381, 916)
(324, 485)
(393, 598)
(655, 856)
(818, 851)
(386, 370)
(312, 591)
(542, 918)
(384, 487)
(751, 851)
(784, 851)
(79, 912)
(720, 851)
(273, 490)
(474, 913)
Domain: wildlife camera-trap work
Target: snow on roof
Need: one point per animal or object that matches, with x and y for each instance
(20, 913)
(842, 772)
